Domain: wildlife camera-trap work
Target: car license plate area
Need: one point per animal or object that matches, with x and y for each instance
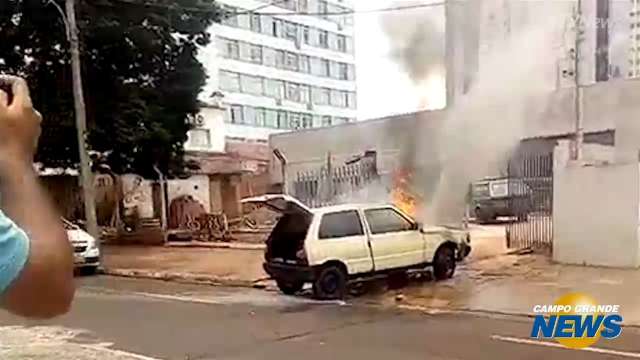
(78, 259)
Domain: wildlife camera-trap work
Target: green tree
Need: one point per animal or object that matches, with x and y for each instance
(141, 74)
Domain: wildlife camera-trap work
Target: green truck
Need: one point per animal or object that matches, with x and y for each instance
(491, 198)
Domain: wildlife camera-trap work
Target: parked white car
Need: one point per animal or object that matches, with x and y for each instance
(86, 254)
(331, 246)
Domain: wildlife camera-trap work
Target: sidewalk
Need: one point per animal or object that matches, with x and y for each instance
(513, 284)
(232, 267)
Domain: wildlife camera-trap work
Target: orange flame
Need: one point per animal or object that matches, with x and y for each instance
(401, 196)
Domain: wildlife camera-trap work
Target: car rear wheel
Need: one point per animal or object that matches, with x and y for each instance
(331, 283)
(290, 288)
(444, 263)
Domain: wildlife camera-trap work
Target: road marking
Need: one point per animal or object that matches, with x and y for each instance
(557, 345)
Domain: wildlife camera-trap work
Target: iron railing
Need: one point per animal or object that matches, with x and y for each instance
(531, 200)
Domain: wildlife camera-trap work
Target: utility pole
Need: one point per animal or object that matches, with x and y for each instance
(450, 51)
(579, 95)
(86, 177)
(634, 40)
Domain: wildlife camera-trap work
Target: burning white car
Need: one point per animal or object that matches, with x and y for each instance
(331, 246)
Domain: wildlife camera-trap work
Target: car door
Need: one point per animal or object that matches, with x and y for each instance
(395, 239)
(341, 236)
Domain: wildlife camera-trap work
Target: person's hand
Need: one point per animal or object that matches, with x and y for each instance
(19, 124)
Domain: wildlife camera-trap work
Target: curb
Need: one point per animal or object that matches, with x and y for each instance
(185, 278)
(216, 245)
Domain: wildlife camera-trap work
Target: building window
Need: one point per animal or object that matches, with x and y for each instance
(323, 8)
(321, 96)
(256, 23)
(282, 119)
(249, 115)
(306, 36)
(352, 72)
(236, 114)
(343, 71)
(326, 120)
(244, 21)
(291, 31)
(269, 56)
(305, 94)
(260, 117)
(280, 59)
(251, 84)
(294, 120)
(255, 54)
(291, 61)
(271, 118)
(303, 6)
(274, 88)
(337, 98)
(304, 64)
(232, 49)
(200, 138)
(323, 39)
(325, 67)
(293, 92)
(276, 28)
(266, 24)
(229, 81)
(342, 43)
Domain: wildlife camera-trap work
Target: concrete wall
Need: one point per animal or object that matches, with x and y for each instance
(398, 138)
(196, 186)
(596, 215)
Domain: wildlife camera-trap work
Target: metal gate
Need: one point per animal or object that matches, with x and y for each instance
(530, 189)
(330, 184)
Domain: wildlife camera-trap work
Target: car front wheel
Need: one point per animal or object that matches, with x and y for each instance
(444, 263)
(330, 283)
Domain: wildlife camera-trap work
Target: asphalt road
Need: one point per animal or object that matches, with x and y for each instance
(123, 319)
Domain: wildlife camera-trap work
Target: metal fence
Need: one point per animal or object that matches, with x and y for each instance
(531, 200)
(331, 185)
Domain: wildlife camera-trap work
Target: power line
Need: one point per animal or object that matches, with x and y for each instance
(294, 13)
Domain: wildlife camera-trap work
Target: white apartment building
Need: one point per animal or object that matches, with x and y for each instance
(276, 66)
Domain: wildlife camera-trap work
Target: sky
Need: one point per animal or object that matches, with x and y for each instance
(384, 88)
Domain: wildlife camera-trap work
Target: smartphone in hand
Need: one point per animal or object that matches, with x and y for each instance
(6, 85)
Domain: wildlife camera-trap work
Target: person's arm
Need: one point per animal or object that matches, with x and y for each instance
(44, 286)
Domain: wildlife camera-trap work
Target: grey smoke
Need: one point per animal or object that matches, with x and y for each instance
(485, 126)
(416, 38)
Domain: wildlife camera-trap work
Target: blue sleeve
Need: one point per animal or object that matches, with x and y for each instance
(14, 251)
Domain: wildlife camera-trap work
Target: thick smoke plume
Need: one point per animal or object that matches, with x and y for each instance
(485, 125)
(416, 39)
